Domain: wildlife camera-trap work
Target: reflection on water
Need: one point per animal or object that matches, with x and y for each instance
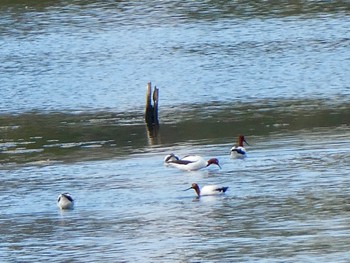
(44, 138)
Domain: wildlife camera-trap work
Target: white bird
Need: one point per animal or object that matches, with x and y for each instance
(208, 189)
(238, 151)
(65, 201)
(192, 163)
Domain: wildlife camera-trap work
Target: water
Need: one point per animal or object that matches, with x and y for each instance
(73, 77)
(287, 202)
(90, 55)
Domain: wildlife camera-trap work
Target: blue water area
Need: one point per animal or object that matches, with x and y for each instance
(73, 85)
(93, 56)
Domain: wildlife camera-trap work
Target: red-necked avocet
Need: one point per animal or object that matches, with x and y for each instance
(192, 163)
(238, 151)
(208, 189)
(65, 201)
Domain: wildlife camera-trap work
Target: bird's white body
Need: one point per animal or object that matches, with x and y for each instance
(192, 163)
(211, 190)
(238, 151)
(65, 201)
(208, 189)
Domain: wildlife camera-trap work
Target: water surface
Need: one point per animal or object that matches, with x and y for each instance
(73, 78)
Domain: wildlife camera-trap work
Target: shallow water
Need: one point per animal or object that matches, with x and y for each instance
(73, 80)
(288, 201)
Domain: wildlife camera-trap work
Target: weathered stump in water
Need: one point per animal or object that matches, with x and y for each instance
(151, 114)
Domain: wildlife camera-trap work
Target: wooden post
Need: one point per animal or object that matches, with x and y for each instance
(155, 107)
(149, 107)
(151, 113)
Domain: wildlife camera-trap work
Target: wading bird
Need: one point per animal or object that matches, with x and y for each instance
(192, 163)
(208, 189)
(65, 201)
(238, 151)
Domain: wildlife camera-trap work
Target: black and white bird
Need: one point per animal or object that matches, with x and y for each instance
(65, 201)
(238, 151)
(208, 189)
(189, 162)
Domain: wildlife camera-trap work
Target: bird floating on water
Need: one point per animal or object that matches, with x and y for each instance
(238, 151)
(65, 201)
(208, 189)
(190, 162)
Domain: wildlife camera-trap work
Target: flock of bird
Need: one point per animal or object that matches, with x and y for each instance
(196, 162)
(186, 163)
